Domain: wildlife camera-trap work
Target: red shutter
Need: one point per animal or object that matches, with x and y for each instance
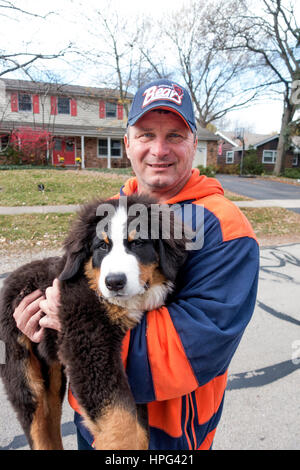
(14, 102)
(102, 109)
(36, 104)
(120, 111)
(53, 105)
(73, 107)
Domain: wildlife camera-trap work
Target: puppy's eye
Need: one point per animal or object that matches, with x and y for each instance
(103, 246)
(137, 243)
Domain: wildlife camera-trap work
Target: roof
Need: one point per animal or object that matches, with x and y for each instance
(204, 134)
(63, 89)
(69, 130)
(249, 138)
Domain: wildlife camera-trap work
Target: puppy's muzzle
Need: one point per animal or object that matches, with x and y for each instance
(115, 282)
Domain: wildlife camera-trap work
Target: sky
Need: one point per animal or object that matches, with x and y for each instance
(68, 23)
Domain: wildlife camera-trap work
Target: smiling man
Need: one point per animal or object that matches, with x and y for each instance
(178, 356)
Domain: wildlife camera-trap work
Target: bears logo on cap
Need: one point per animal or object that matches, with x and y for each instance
(163, 92)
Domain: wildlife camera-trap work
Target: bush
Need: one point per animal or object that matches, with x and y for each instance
(251, 166)
(233, 169)
(209, 170)
(292, 173)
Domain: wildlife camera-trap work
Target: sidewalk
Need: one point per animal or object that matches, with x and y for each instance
(285, 203)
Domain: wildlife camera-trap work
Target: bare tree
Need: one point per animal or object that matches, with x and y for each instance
(271, 34)
(22, 59)
(114, 52)
(216, 78)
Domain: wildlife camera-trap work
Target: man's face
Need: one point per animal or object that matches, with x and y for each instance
(161, 149)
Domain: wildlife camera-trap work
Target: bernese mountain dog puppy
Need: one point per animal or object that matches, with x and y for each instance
(113, 270)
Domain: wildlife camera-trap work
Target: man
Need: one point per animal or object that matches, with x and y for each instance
(178, 356)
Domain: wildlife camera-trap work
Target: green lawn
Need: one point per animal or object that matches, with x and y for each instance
(28, 231)
(19, 188)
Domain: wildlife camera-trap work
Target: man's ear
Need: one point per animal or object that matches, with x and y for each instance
(126, 143)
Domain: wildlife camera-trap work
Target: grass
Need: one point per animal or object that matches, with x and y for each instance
(20, 188)
(47, 231)
(273, 222)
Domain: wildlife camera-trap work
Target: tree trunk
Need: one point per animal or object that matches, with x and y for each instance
(287, 116)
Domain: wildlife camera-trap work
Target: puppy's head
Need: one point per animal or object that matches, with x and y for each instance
(128, 249)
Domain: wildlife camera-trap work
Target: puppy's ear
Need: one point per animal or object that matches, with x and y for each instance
(171, 247)
(72, 265)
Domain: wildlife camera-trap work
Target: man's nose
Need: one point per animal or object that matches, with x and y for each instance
(160, 147)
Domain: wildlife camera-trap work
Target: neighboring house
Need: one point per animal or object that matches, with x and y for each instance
(230, 150)
(267, 152)
(87, 122)
(207, 148)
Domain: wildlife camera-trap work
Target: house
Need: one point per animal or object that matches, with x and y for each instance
(267, 152)
(230, 150)
(207, 148)
(87, 123)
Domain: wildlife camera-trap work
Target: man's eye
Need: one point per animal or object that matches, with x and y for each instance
(146, 136)
(175, 137)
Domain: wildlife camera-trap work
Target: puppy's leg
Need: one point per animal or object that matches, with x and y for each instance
(115, 423)
(35, 391)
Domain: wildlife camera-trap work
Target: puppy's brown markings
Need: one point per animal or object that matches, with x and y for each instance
(117, 429)
(105, 237)
(45, 427)
(93, 275)
(120, 316)
(131, 235)
(151, 274)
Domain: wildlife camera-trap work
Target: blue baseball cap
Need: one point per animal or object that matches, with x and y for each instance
(163, 94)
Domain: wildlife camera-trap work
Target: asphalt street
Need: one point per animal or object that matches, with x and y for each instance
(258, 188)
(261, 409)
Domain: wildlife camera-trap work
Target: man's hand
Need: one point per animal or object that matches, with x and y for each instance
(50, 307)
(37, 312)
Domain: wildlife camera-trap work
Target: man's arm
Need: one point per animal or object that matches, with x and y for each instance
(176, 349)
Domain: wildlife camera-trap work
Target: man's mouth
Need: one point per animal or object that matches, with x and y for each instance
(160, 165)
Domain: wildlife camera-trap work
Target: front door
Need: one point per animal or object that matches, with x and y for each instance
(64, 151)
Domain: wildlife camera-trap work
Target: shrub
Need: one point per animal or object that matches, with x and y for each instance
(292, 173)
(251, 166)
(209, 170)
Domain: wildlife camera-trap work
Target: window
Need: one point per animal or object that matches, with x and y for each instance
(108, 146)
(115, 148)
(103, 148)
(24, 102)
(57, 145)
(269, 156)
(229, 156)
(4, 140)
(63, 105)
(111, 110)
(295, 160)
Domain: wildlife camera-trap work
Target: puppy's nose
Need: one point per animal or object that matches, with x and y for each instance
(115, 281)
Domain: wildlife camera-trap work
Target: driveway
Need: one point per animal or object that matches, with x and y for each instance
(257, 188)
(261, 409)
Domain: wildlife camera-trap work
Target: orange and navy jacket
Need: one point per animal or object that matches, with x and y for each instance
(177, 358)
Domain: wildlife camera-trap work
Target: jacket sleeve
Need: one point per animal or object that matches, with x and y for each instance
(182, 346)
